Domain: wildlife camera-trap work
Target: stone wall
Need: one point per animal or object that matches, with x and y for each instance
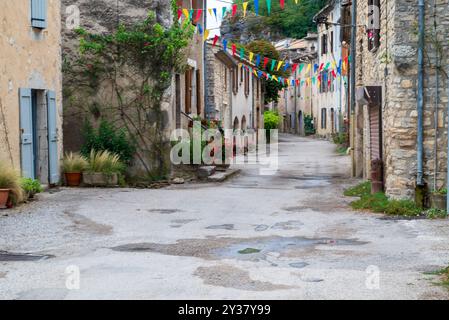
(394, 67)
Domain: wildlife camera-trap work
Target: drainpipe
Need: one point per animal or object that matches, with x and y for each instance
(208, 113)
(420, 146)
(447, 135)
(353, 75)
(437, 95)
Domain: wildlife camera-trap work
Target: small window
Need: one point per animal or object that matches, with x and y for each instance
(373, 31)
(39, 14)
(323, 118)
(323, 44)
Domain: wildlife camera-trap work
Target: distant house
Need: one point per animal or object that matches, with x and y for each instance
(234, 92)
(331, 97)
(30, 88)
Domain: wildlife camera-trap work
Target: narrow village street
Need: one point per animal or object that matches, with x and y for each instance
(287, 236)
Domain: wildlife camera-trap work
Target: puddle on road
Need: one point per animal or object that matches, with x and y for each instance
(164, 211)
(21, 257)
(229, 248)
(222, 227)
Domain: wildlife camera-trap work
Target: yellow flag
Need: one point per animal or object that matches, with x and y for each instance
(274, 78)
(210, 12)
(186, 13)
(206, 34)
(280, 65)
(309, 66)
(245, 6)
(251, 56)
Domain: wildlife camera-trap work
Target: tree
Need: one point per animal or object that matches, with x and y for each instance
(266, 49)
(294, 21)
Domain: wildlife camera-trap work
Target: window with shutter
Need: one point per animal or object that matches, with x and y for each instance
(39, 14)
(188, 91)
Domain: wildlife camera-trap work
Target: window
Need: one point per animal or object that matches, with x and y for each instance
(246, 82)
(331, 47)
(39, 14)
(323, 44)
(188, 91)
(323, 118)
(235, 79)
(373, 31)
(198, 92)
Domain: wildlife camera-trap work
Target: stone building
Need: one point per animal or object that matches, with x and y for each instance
(386, 117)
(182, 101)
(331, 96)
(233, 91)
(30, 88)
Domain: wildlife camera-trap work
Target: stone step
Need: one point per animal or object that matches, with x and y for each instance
(205, 172)
(222, 176)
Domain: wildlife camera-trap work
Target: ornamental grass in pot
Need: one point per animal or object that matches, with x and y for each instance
(11, 191)
(73, 165)
(103, 170)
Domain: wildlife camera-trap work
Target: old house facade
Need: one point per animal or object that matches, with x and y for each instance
(30, 88)
(386, 118)
(331, 99)
(233, 91)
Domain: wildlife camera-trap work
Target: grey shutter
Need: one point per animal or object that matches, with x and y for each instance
(26, 133)
(53, 159)
(39, 14)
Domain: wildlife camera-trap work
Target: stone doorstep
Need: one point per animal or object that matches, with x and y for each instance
(222, 176)
(205, 172)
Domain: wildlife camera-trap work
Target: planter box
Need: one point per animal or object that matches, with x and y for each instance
(438, 201)
(100, 179)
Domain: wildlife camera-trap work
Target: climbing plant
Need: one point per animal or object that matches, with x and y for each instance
(123, 77)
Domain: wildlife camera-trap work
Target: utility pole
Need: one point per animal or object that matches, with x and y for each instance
(353, 75)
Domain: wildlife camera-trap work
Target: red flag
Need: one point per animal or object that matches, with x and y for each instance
(265, 62)
(334, 74)
(322, 66)
(297, 82)
(179, 13)
(295, 66)
(198, 15)
(282, 4)
(215, 41)
(234, 9)
(234, 49)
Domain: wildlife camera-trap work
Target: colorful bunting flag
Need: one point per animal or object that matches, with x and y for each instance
(215, 40)
(245, 7)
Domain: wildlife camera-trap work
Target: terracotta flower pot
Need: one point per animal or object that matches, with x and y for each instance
(73, 179)
(4, 195)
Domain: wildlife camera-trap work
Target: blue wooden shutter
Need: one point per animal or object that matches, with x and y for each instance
(39, 14)
(26, 137)
(53, 159)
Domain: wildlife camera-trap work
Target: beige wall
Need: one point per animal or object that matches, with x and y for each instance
(29, 58)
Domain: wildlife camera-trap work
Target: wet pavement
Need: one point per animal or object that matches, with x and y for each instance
(285, 236)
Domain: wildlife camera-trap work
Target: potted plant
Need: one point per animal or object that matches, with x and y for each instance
(31, 187)
(73, 165)
(438, 199)
(10, 190)
(103, 169)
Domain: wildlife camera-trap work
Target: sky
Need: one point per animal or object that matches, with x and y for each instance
(211, 22)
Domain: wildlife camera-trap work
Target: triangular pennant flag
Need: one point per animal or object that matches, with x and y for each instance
(251, 56)
(179, 13)
(315, 67)
(334, 73)
(223, 12)
(215, 40)
(309, 66)
(269, 6)
(198, 15)
(234, 10)
(225, 45)
(215, 13)
(294, 67)
(279, 65)
(245, 7)
(210, 12)
(242, 53)
(273, 64)
(321, 67)
(260, 74)
(293, 82)
(258, 60)
(256, 7)
(206, 34)
(234, 49)
(265, 62)
(186, 13)
(282, 4)
(286, 66)
(301, 67)
(191, 14)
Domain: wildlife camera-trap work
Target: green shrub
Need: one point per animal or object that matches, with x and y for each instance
(340, 138)
(308, 125)
(359, 190)
(442, 191)
(436, 214)
(31, 186)
(402, 208)
(272, 120)
(375, 202)
(107, 138)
